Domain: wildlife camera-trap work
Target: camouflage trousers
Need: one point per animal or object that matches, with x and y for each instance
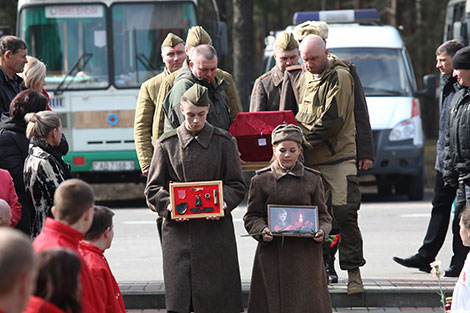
(343, 199)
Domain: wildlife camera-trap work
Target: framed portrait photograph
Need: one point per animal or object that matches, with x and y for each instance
(196, 199)
(292, 220)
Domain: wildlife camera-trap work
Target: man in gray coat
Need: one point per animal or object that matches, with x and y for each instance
(266, 92)
(200, 262)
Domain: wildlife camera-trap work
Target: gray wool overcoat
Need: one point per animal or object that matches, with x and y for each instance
(200, 261)
(287, 277)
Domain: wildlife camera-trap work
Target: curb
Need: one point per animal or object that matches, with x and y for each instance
(378, 293)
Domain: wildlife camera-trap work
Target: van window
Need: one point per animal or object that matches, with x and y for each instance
(382, 71)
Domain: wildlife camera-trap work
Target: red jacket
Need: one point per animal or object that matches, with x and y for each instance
(102, 277)
(39, 305)
(58, 235)
(8, 193)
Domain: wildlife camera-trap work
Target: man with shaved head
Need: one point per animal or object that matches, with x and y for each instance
(16, 270)
(326, 116)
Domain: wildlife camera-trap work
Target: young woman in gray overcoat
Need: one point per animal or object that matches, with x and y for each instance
(288, 274)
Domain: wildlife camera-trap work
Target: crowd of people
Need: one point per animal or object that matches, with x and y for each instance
(53, 261)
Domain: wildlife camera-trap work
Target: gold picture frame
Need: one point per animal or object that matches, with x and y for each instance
(196, 199)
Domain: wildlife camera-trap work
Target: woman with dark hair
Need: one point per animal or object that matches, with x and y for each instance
(15, 147)
(58, 283)
(44, 168)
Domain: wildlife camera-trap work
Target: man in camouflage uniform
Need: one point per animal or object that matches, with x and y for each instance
(202, 70)
(326, 116)
(364, 141)
(267, 88)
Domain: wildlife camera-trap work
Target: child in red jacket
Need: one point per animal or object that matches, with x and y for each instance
(73, 213)
(99, 238)
(8, 193)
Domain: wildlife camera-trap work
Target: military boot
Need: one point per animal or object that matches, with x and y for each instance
(355, 282)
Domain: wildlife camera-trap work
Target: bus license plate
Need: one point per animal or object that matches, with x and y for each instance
(113, 166)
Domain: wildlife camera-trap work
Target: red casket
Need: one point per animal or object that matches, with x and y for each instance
(253, 132)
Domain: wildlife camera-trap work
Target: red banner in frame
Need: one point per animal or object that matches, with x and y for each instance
(196, 199)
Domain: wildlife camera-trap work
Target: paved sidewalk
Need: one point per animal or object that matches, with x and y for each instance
(381, 295)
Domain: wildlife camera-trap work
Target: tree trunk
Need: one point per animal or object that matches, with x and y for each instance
(243, 52)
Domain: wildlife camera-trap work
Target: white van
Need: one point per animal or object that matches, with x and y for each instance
(389, 84)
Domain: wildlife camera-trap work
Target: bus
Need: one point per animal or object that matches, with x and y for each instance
(97, 54)
(457, 24)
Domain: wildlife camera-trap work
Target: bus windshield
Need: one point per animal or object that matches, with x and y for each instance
(78, 42)
(138, 32)
(71, 41)
(382, 71)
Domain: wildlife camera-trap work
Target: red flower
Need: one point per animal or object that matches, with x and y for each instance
(335, 241)
(277, 228)
(298, 224)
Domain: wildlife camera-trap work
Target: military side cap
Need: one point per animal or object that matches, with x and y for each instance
(311, 28)
(171, 40)
(286, 41)
(198, 36)
(285, 132)
(461, 59)
(197, 95)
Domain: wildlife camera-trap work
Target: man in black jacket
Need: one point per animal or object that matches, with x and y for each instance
(457, 143)
(444, 194)
(13, 53)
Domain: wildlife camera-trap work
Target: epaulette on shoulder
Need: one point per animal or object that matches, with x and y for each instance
(263, 170)
(312, 170)
(167, 135)
(294, 67)
(222, 132)
(347, 63)
(265, 75)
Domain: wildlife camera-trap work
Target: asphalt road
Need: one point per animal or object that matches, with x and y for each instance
(390, 227)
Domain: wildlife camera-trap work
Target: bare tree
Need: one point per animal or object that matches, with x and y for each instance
(243, 48)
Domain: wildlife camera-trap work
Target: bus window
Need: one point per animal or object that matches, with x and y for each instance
(138, 32)
(71, 41)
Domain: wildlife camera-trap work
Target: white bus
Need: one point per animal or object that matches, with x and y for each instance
(97, 54)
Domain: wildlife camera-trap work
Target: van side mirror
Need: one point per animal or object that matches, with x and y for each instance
(430, 85)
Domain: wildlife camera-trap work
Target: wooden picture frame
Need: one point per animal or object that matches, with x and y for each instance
(196, 199)
(293, 220)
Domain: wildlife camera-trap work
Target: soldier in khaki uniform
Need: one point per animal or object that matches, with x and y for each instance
(146, 123)
(267, 88)
(147, 112)
(364, 141)
(200, 262)
(326, 116)
(198, 36)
